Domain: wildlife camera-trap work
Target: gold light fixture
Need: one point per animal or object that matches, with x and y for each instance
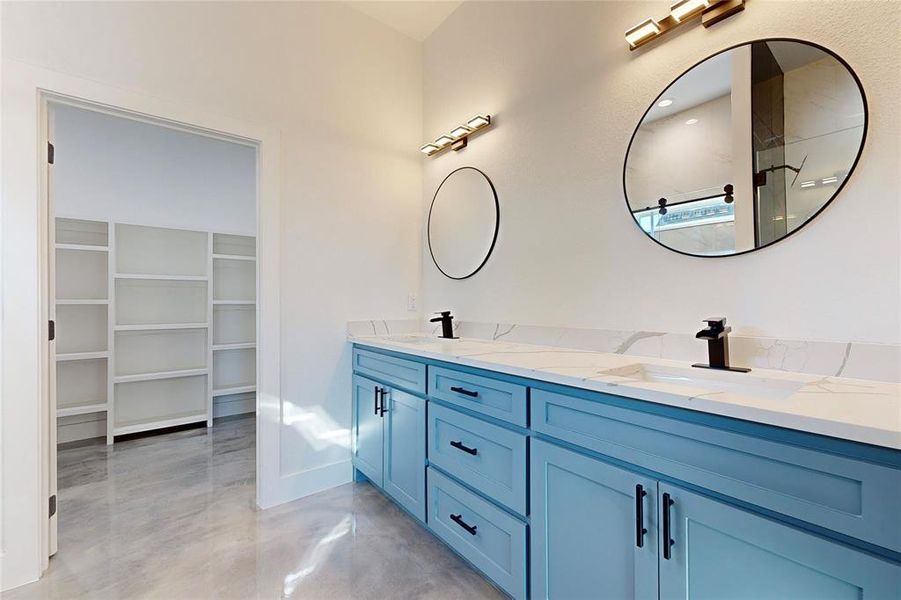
(683, 11)
(687, 8)
(458, 138)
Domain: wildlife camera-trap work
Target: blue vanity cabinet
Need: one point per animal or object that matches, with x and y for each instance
(404, 446)
(388, 441)
(367, 435)
(593, 530)
(720, 551)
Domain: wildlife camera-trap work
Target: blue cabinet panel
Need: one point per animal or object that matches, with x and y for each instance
(366, 430)
(492, 540)
(584, 531)
(498, 399)
(719, 551)
(853, 497)
(404, 475)
(406, 374)
(487, 457)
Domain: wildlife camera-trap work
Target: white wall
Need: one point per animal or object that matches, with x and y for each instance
(566, 93)
(344, 95)
(125, 170)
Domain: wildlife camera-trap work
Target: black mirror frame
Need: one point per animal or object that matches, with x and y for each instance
(497, 224)
(863, 140)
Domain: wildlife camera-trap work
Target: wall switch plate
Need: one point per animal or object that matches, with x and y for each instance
(411, 302)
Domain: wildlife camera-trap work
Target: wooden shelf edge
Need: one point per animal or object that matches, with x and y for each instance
(160, 375)
(70, 356)
(241, 389)
(234, 257)
(237, 346)
(156, 326)
(71, 411)
(82, 247)
(146, 276)
(162, 423)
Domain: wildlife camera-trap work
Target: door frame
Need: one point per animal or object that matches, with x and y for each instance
(24, 347)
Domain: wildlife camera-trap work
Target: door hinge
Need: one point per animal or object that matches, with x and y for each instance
(51, 330)
(52, 506)
(51, 151)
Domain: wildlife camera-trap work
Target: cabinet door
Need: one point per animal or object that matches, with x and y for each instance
(722, 552)
(405, 450)
(367, 430)
(585, 528)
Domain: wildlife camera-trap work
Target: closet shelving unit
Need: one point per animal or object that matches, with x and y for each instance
(159, 330)
(233, 306)
(82, 307)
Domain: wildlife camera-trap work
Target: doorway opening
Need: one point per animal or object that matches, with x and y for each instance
(152, 294)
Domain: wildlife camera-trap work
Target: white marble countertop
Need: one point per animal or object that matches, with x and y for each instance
(851, 409)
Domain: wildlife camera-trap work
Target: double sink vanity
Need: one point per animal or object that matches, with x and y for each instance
(574, 474)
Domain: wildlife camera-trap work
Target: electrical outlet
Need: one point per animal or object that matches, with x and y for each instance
(411, 302)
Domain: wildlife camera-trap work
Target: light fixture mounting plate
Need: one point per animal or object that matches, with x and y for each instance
(460, 144)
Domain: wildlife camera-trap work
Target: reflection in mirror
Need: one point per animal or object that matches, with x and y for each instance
(745, 148)
(463, 223)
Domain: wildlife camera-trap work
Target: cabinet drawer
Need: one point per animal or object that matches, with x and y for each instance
(406, 374)
(493, 541)
(853, 497)
(498, 399)
(487, 457)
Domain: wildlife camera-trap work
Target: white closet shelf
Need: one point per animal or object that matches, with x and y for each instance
(84, 247)
(234, 302)
(70, 411)
(235, 389)
(146, 425)
(147, 276)
(67, 356)
(156, 326)
(237, 346)
(81, 301)
(160, 375)
(234, 257)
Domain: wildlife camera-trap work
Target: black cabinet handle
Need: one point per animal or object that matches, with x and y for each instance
(667, 536)
(464, 391)
(458, 519)
(382, 409)
(375, 402)
(639, 515)
(466, 449)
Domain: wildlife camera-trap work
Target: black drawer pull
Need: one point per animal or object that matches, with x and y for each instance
(458, 519)
(667, 539)
(639, 515)
(375, 404)
(466, 449)
(464, 391)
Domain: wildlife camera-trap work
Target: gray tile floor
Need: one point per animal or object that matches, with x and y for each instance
(173, 517)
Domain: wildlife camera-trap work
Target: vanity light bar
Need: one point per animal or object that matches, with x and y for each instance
(682, 11)
(687, 8)
(458, 138)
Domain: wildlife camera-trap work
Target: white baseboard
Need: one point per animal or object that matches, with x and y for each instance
(80, 427)
(305, 483)
(226, 406)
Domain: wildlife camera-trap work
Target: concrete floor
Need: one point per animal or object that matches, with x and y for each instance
(173, 516)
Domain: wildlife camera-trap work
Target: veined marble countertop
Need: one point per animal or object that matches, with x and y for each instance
(851, 409)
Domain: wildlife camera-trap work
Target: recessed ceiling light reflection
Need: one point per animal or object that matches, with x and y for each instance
(664, 103)
(691, 121)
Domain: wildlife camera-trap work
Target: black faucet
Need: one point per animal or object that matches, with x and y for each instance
(447, 329)
(717, 335)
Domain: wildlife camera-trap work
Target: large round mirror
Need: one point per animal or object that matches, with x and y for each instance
(745, 148)
(463, 223)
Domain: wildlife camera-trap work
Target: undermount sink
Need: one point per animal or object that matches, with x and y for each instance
(744, 384)
(416, 339)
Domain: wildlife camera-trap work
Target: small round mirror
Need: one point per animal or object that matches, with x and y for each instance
(745, 148)
(463, 223)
